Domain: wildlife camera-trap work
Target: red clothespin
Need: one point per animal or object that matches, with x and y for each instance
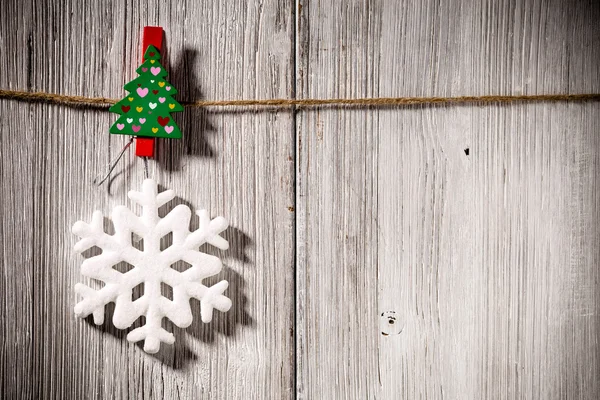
(144, 146)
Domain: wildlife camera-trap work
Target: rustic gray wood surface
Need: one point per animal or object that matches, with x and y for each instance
(489, 261)
(239, 165)
(417, 252)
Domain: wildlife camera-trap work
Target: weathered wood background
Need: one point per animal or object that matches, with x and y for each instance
(476, 226)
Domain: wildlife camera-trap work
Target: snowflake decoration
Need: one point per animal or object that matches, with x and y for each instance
(151, 267)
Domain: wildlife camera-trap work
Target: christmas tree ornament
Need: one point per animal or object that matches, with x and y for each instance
(147, 108)
(145, 113)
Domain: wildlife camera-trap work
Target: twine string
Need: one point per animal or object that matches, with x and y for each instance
(102, 102)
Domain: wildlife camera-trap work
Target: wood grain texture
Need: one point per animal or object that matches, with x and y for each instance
(233, 164)
(489, 261)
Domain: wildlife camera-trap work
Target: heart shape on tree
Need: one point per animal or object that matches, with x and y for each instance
(142, 92)
(163, 120)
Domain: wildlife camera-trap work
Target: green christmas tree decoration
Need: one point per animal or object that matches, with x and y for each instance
(146, 110)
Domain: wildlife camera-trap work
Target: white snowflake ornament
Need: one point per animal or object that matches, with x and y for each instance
(151, 267)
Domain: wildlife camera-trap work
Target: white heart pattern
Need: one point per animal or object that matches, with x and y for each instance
(129, 120)
(152, 105)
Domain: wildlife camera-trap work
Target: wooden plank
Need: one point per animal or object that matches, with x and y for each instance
(17, 219)
(233, 164)
(488, 261)
(495, 283)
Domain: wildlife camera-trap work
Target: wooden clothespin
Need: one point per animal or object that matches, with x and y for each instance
(144, 146)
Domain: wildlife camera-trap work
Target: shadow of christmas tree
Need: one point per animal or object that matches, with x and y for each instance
(194, 121)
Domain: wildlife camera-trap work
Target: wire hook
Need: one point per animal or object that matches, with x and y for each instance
(111, 165)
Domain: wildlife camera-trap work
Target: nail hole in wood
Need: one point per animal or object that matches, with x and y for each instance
(391, 323)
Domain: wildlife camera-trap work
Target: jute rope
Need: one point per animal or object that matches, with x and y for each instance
(102, 102)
